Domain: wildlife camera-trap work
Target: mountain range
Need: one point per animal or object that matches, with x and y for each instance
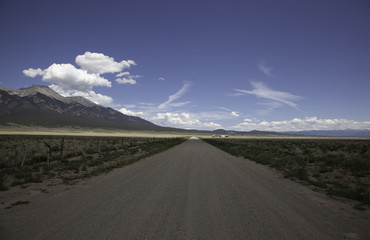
(41, 106)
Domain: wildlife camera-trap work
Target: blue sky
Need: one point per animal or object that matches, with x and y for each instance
(243, 65)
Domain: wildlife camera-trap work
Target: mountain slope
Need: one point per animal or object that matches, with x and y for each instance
(40, 105)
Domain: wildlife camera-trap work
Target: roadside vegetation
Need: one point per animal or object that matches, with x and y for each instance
(33, 159)
(339, 166)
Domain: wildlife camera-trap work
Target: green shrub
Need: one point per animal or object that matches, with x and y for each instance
(358, 193)
(95, 162)
(114, 153)
(299, 173)
(38, 159)
(299, 158)
(325, 169)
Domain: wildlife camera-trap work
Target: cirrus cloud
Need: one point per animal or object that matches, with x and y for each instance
(277, 97)
(266, 70)
(175, 96)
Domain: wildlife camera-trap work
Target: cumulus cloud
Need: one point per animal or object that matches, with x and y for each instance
(248, 120)
(177, 95)
(262, 91)
(67, 77)
(123, 74)
(235, 114)
(211, 125)
(95, 97)
(89, 94)
(31, 72)
(297, 124)
(161, 79)
(182, 120)
(131, 113)
(68, 80)
(126, 81)
(266, 70)
(100, 63)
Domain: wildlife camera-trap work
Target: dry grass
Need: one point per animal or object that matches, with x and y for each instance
(24, 158)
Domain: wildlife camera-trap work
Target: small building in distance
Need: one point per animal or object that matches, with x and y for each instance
(220, 136)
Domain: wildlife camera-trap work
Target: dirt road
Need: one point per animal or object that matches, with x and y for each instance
(192, 191)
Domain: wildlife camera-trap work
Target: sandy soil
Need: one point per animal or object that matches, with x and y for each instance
(192, 191)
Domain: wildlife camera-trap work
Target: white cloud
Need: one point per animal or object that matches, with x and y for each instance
(135, 76)
(271, 104)
(161, 79)
(126, 81)
(146, 103)
(129, 112)
(100, 63)
(212, 125)
(67, 77)
(248, 120)
(95, 97)
(89, 94)
(130, 106)
(261, 91)
(296, 124)
(31, 72)
(151, 110)
(123, 74)
(179, 104)
(226, 113)
(176, 96)
(131, 62)
(182, 120)
(68, 80)
(235, 114)
(266, 70)
(188, 120)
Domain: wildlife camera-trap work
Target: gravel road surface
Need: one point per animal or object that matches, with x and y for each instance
(192, 191)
